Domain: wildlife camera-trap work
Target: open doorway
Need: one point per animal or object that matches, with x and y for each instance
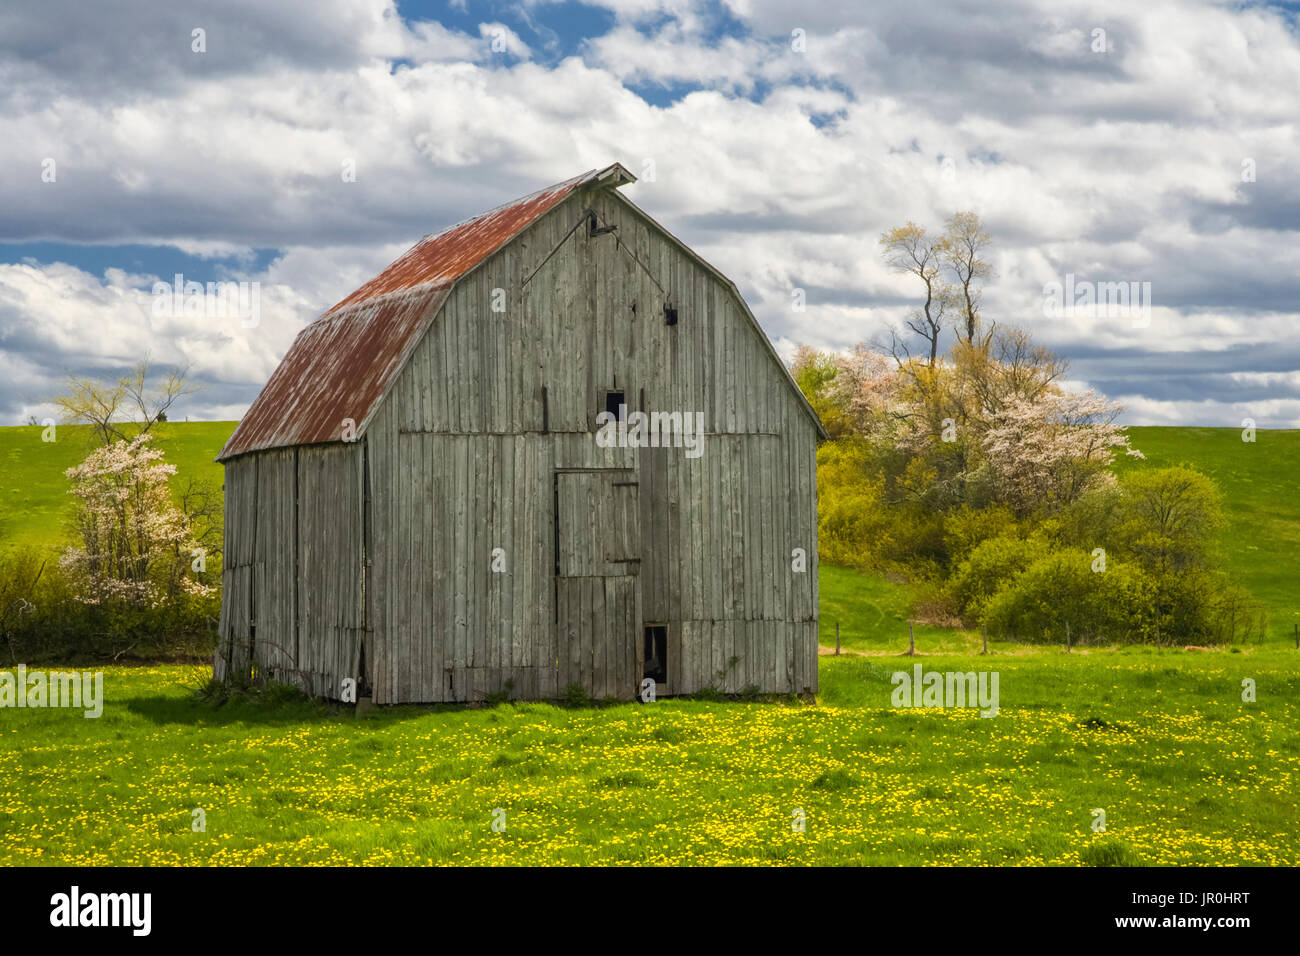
(655, 653)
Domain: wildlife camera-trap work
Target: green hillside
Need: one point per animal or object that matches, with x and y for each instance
(1260, 482)
(34, 499)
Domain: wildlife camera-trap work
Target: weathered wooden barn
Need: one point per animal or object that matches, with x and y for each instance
(425, 498)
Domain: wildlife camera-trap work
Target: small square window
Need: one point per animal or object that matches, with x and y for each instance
(616, 405)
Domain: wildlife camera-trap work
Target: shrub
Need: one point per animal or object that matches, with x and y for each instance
(1091, 520)
(42, 618)
(988, 568)
(1170, 519)
(1198, 606)
(853, 526)
(258, 692)
(1061, 588)
(575, 695)
(965, 528)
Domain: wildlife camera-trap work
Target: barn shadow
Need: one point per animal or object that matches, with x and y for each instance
(170, 710)
(290, 707)
(163, 710)
(273, 711)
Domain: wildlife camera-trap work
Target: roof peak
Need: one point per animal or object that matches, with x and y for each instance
(445, 256)
(616, 174)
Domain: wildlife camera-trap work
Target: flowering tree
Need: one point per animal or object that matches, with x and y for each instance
(136, 543)
(1051, 450)
(867, 386)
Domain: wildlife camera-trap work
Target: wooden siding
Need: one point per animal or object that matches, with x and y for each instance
(445, 625)
(292, 581)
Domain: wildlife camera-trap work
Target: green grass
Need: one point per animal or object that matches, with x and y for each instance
(34, 499)
(873, 614)
(1260, 482)
(1186, 773)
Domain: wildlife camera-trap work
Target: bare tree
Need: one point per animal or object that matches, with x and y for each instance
(912, 250)
(108, 407)
(963, 242)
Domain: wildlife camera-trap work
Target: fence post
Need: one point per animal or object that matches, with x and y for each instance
(1067, 637)
(984, 631)
(837, 638)
(911, 640)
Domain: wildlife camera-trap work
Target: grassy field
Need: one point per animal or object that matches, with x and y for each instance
(1260, 481)
(1160, 740)
(872, 614)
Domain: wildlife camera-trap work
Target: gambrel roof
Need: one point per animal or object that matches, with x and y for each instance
(342, 364)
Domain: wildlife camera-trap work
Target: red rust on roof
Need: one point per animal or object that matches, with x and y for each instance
(337, 368)
(448, 255)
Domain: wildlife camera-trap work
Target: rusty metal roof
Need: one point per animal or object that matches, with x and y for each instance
(451, 253)
(337, 368)
(341, 365)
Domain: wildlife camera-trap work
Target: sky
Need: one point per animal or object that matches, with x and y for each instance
(302, 145)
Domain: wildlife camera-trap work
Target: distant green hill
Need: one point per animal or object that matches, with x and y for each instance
(34, 497)
(1260, 483)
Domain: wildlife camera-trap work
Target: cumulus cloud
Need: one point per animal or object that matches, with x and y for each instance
(58, 321)
(502, 39)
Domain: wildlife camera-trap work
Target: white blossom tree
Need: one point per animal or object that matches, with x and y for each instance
(1053, 448)
(135, 542)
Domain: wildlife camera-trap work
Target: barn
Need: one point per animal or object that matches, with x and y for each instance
(549, 446)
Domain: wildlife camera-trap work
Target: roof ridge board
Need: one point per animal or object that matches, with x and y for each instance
(483, 222)
(537, 194)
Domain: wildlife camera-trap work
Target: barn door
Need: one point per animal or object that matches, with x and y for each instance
(597, 560)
